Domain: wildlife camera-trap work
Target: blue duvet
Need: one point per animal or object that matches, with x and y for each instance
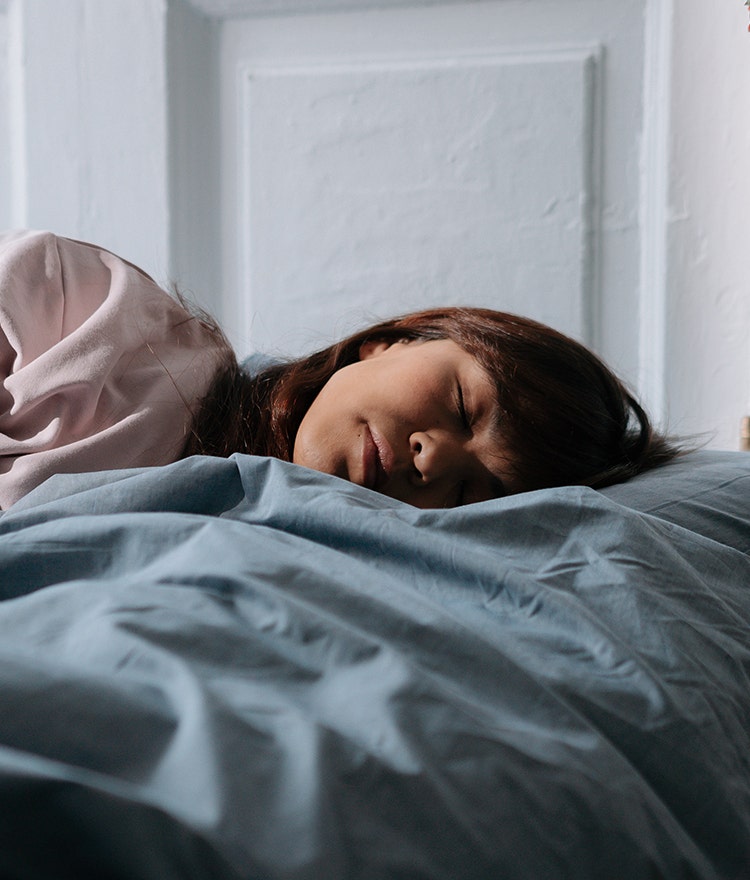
(243, 669)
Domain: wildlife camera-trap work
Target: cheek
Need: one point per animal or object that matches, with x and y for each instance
(307, 452)
(319, 443)
(308, 446)
(315, 447)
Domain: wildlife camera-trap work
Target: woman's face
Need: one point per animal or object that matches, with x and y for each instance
(413, 420)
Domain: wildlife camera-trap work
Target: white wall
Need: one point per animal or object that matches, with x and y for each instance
(87, 114)
(5, 165)
(387, 160)
(194, 146)
(96, 102)
(707, 345)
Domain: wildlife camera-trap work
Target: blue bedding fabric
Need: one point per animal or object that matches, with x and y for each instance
(243, 669)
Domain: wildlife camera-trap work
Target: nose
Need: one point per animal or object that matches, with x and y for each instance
(434, 455)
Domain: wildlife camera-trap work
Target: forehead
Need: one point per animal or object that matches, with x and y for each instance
(470, 368)
(445, 351)
(450, 360)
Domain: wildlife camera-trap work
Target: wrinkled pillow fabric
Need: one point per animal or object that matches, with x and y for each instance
(99, 367)
(707, 492)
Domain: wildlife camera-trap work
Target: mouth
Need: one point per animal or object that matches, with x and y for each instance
(376, 460)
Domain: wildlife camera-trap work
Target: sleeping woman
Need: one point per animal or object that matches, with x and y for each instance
(103, 369)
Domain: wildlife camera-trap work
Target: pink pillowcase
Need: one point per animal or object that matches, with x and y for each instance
(100, 368)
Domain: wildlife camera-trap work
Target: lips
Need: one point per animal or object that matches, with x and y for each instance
(376, 460)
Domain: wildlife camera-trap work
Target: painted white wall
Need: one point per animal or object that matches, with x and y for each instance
(109, 131)
(5, 164)
(555, 201)
(707, 338)
(86, 108)
(96, 103)
(194, 148)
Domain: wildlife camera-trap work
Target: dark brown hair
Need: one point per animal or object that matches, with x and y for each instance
(564, 416)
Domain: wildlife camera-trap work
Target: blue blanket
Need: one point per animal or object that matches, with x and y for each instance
(243, 669)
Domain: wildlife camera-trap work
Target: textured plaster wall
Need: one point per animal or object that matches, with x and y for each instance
(85, 108)
(708, 276)
(420, 55)
(116, 188)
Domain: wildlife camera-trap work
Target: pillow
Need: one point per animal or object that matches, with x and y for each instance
(707, 492)
(257, 362)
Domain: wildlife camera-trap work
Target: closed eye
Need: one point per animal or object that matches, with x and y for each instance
(461, 407)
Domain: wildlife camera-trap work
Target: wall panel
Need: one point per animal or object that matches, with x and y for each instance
(381, 159)
(148, 125)
(408, 185)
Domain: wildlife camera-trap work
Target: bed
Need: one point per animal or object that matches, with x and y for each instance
(239, 668)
